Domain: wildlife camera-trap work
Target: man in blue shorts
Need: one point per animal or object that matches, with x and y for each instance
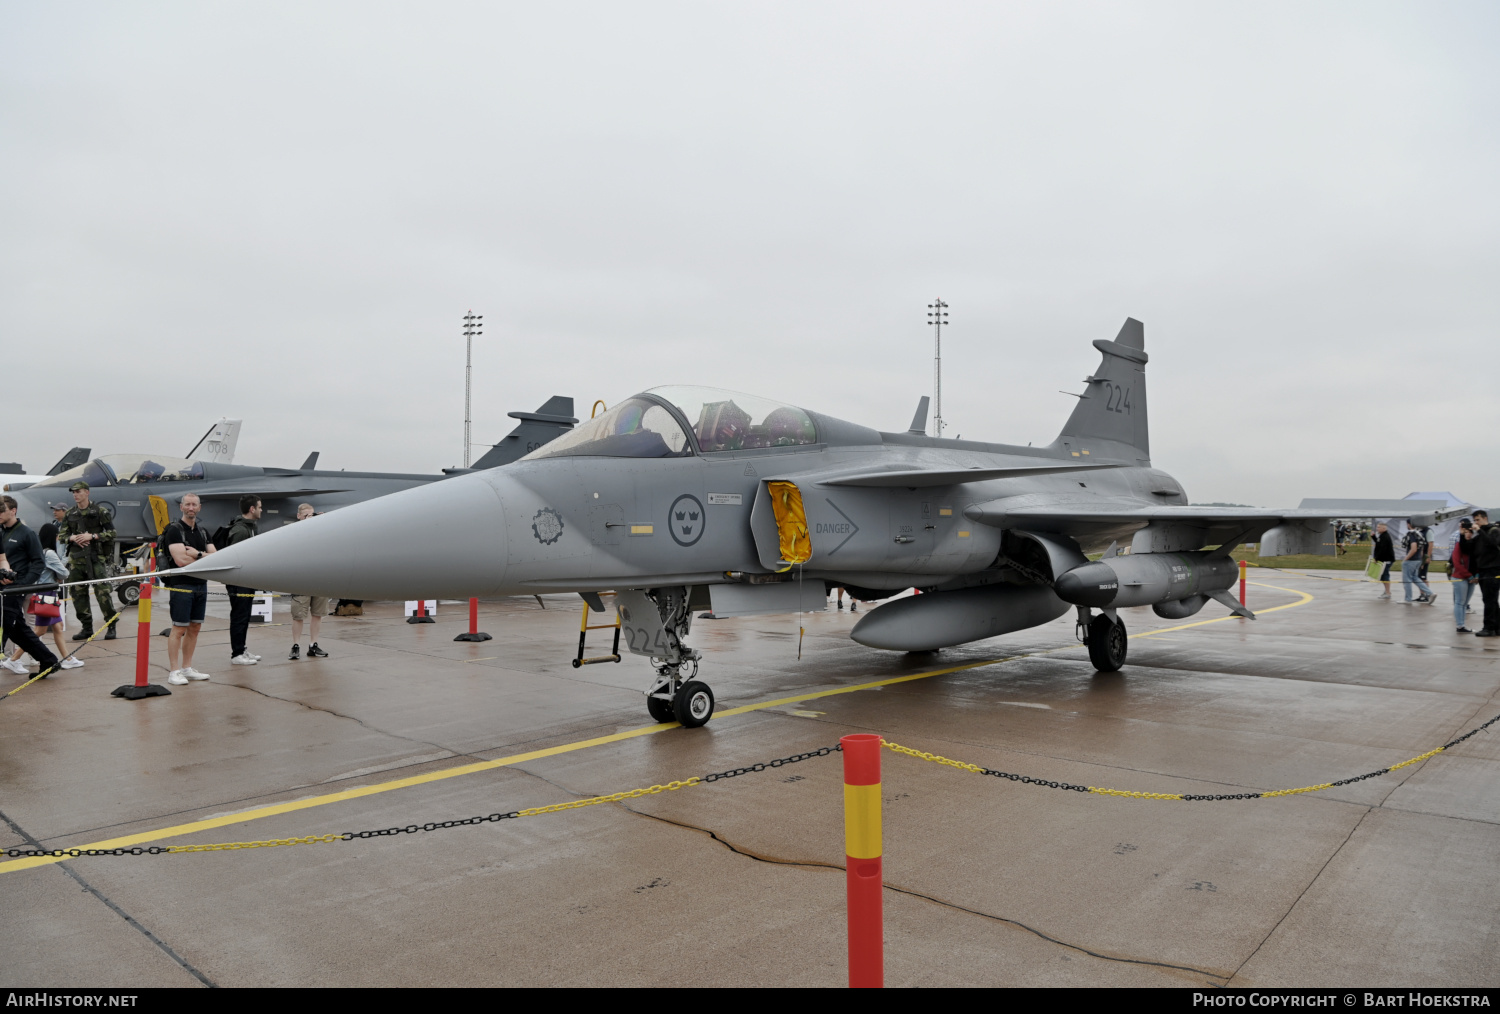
(185, 542)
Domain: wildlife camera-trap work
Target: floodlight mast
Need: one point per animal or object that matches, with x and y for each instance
(473, 325)
(937, 316)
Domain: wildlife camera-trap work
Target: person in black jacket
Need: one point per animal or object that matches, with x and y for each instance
(1485, 562)
(1384, 552)
(242, 528)
(22, 553)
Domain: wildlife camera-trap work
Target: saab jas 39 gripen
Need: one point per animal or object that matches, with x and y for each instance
(682, 498)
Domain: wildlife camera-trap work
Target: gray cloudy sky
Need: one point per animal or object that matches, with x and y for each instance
(281, 211)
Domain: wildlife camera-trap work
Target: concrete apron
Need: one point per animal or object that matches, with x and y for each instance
(1391, 881)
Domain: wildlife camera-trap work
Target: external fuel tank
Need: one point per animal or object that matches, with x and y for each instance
(1145, 579)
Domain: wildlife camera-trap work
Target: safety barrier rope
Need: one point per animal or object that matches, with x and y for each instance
(535, 811)
(1178, 796)
(242, 595)
(673, 786)
(43, 674)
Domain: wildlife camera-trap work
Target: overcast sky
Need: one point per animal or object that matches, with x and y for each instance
(280, 212)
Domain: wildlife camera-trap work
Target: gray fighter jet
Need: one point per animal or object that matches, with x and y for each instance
(683, 498)
(123, 484)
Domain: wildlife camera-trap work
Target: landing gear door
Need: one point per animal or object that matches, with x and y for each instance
(640, 622)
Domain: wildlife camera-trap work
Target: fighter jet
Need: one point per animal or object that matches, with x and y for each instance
(681, 498)
(125, 484)
(15, 477)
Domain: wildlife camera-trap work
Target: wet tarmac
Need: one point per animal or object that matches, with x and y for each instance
(1393, 881)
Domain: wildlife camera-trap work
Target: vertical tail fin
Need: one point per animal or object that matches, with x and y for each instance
(553, 419)
(219, 442)
(1110, 419)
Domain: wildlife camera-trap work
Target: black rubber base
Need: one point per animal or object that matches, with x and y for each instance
(131, 692)
(478, 636)
(420, 619)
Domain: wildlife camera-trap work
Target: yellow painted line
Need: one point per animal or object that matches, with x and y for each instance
(144, 837)
(1304, 600)
(129, 841)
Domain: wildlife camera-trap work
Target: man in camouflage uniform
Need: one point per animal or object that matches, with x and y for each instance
(88, 533)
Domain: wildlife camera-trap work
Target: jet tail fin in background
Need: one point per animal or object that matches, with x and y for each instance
(218, 443)
(553, 419)
(919, 421)
(311, 462)
(72, 459)
(1113, 409)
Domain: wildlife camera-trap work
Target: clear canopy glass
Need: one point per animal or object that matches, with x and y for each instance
(635, 428)
(125, 469)
(730, 421)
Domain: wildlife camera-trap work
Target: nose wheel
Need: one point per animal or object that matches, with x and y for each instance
(673, 698)
(693, 705)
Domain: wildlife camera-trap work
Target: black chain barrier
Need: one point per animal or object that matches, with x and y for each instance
(157, 850)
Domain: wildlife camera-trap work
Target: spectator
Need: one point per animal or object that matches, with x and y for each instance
(1384, 552)
(1414, 545)
(243, 528)
(185, 543)
(302, 605)
(59, 512)
(22, 552)
(1461, 575)
(56, 571)
(88, 531)
(1485, 563)
(1426, 553)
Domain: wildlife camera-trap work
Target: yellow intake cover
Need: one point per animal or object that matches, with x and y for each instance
(791, 522)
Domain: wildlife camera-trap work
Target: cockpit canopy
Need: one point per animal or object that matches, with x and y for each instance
(641, 427)
(126, 469)
(728, 421)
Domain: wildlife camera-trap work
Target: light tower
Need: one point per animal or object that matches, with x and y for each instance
(473, 325)
(937, 316)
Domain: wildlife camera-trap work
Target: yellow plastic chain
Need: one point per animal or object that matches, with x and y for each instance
(228, 846)
(1127, 794)
(613, 797)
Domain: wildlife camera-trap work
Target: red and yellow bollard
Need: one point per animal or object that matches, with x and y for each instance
(1242, 582)
(862, 852)
(142, 687)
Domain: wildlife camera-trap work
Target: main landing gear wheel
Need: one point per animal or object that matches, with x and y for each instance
(660, 710)
(1107, 643)
(693, 705)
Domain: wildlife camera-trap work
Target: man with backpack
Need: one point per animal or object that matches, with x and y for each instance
(1485, 563)
(184, 541)
(242, 528)
(1411, 565)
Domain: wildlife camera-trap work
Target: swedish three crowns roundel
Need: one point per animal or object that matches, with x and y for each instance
(685, 520)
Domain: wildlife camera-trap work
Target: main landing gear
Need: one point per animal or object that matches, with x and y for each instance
(654, 623)
(1105, 637)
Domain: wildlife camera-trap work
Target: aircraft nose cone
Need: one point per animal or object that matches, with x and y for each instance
(1092, 584)
(442, 540)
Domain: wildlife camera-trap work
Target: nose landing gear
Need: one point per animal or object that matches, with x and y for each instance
(654, 623)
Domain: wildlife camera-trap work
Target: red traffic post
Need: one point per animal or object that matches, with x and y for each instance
(142, 687)
(1242, 582)
(862, 852)
(420, 616)
(474, 634)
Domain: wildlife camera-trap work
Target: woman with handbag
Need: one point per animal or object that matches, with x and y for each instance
(46, 610)
(1382, 555)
